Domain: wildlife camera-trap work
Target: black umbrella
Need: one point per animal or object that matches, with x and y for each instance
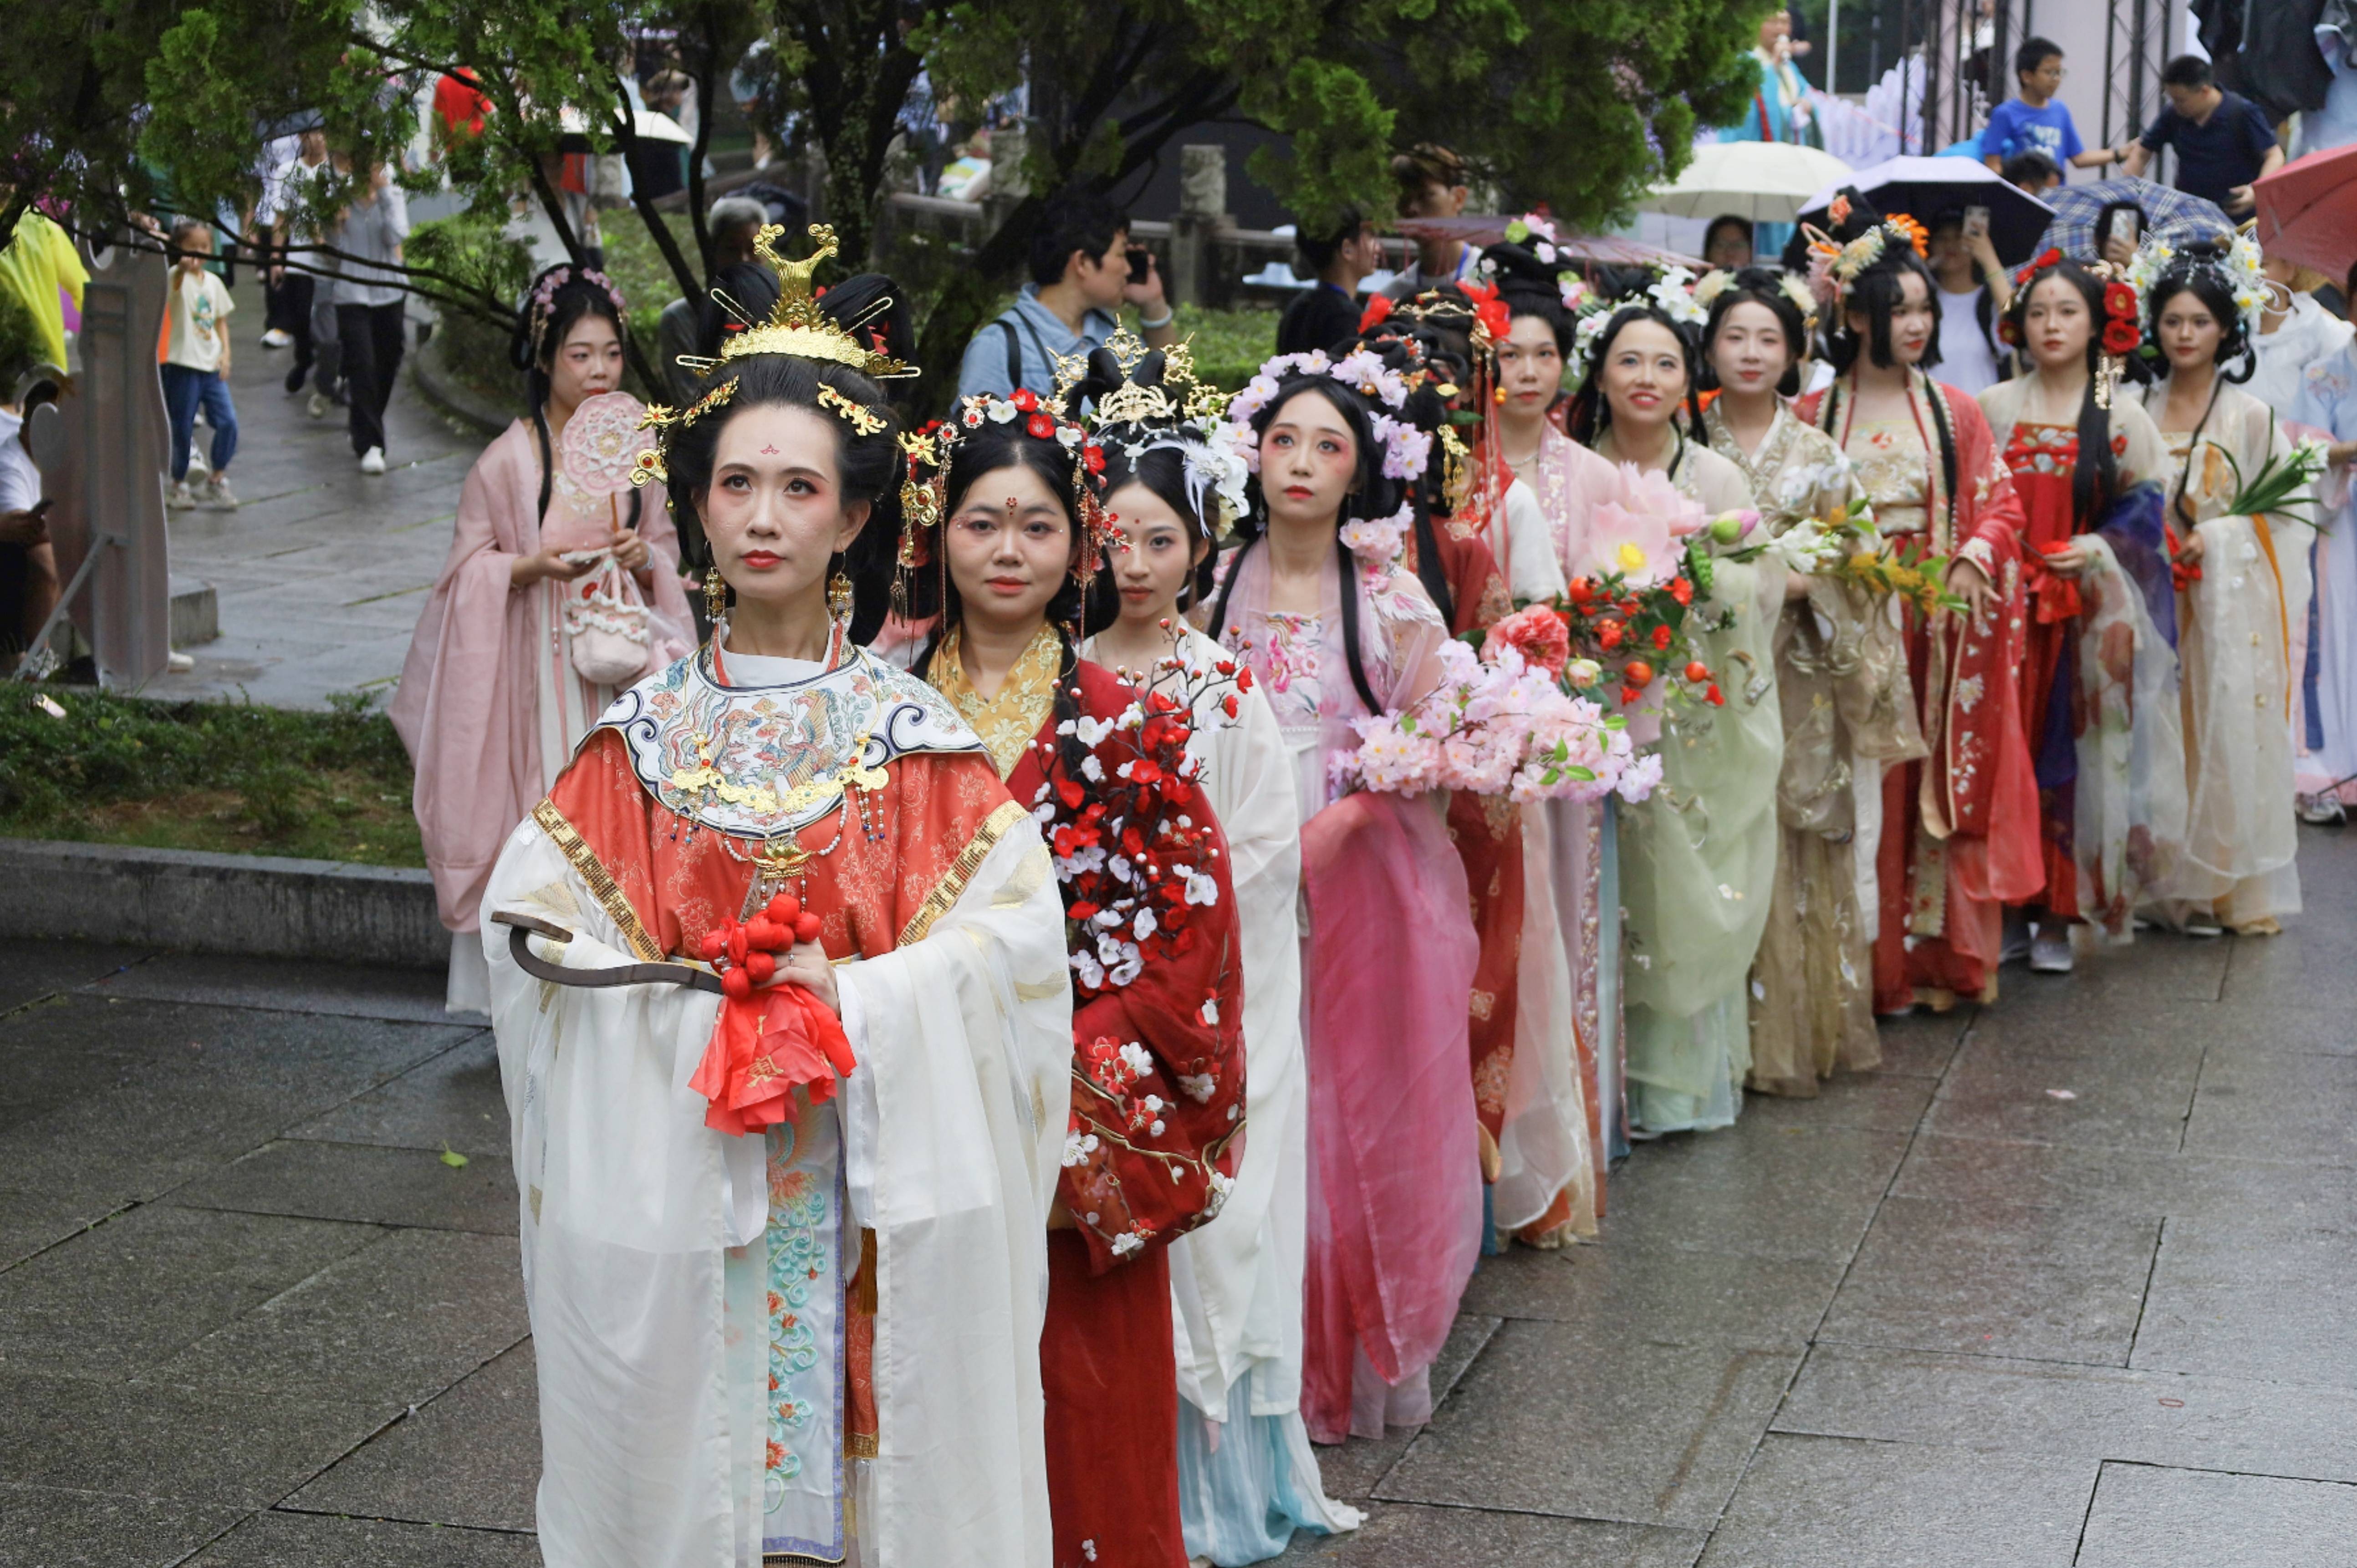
(1927, 188)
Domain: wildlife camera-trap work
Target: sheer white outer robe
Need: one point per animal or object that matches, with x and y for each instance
(1235, 1284)
(2242, 641)
(651, 1428)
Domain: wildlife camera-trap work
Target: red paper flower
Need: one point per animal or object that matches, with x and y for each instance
(1040, 426)
(2121, 337)
(2120, 301)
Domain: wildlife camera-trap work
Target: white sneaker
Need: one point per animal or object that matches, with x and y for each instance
(218, 496)
(179, 497)
(373, 461)
(274, 339)
(2323, 810)
(2049, 949)
(318, 406)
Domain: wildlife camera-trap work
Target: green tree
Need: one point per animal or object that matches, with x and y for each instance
(1579, 103)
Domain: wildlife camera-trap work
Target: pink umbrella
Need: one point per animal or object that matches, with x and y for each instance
(2308, 211)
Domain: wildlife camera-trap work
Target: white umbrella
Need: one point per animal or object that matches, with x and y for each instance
(1765, 182)
(647, 124)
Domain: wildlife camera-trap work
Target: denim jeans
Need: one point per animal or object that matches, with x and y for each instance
(184, 390)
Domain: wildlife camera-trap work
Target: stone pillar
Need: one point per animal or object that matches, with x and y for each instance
(1202, 212)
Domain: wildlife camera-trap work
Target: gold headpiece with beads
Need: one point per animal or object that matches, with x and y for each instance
(797, 326)
(1180, 395)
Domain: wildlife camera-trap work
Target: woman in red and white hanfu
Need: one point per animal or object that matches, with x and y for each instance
(782, 1246)
(1156, 1053)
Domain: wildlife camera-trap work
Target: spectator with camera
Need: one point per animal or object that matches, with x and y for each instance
(1083, 269)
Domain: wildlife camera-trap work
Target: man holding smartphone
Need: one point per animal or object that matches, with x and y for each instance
(1084, 270)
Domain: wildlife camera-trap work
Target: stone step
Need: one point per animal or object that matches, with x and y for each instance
(195, 612)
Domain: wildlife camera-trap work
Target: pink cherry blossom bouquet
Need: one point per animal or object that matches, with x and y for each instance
(1502, 724)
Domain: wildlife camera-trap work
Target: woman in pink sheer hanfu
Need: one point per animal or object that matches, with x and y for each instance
(494, 694)
(1336, 629)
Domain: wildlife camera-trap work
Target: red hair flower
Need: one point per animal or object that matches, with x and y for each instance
(1379, 310)
(1092, 457)
(1040, 426)
(2044, 259)
(2120, 301)
(2121, 337)
(2008, 333)
(1025, 399)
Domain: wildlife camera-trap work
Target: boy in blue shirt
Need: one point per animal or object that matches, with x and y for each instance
(2036, 122)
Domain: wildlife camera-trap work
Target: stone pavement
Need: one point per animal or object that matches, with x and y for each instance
(322, 571)
(2072, 1281)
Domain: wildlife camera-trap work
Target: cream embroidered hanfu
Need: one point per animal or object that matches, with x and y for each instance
(1840, 678)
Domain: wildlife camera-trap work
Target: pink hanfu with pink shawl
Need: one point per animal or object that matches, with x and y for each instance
(469, 707)
(1394, 1198)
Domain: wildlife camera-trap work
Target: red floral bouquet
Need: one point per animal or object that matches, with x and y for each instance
(1133, 834)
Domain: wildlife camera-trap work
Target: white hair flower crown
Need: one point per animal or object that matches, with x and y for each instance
(1179, 413)
(1673, 292)
(2236, 271)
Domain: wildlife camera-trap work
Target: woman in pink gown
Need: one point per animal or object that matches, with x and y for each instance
(1335, 627)
(491, 703)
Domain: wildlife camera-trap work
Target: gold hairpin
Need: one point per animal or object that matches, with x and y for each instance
(665, 422)
(864, 420)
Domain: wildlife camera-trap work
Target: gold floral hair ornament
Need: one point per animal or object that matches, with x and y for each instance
(667, 423)
(797, 326)
(1835, 265)
(1179, 413)
(864, 420)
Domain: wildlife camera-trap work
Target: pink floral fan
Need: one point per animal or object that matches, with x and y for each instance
(602, 442)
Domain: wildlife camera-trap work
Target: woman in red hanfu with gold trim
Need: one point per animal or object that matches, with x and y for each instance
(781, 1228)
(1959, 831)
(1000, 554)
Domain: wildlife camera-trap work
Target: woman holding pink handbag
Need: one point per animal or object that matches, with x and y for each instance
(561, 588)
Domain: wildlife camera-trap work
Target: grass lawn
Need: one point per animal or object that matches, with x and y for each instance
(205, 775)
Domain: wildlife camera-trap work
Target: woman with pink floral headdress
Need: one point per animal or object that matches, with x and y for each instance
(1337, 631)
(558, 572)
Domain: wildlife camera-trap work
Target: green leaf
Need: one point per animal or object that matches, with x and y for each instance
(452, 1158)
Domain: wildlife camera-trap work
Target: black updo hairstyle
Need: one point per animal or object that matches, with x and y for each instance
(1162, 469)
(1371, 495)
(1757, 285)
(743, 294)
(2095, 477)
(1408, 347)
(1875, 291)
(1591, 412)
(574, 297)
(981, 451)
(1875, 294)
(1531, 287)
(2196, 270)
(868, 465)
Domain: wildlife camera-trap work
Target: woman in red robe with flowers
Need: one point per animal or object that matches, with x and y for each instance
(1000, 553)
